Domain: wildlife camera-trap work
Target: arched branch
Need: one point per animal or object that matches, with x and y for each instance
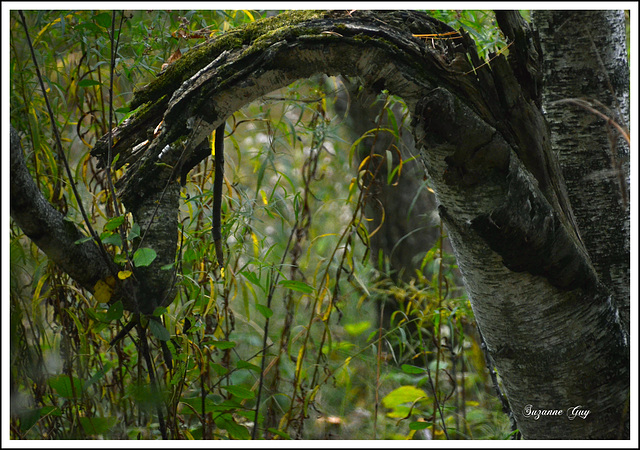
(486, 146)
(379, 48)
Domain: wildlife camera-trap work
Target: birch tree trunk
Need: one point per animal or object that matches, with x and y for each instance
(586, 69)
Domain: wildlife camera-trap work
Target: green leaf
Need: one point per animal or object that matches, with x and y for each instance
(159, 330)
(403, 395)
(97, 425)
(266, 312)
(236, 431)
(120, 259)
(115, 312)
(88, 83)
(223, 345)
(239, 391)
(97, 316)
(356, 329)
(298, 286)
(63, 387)
(247, 365)
(104, 20)
(436, 319)
(83, 240)
(196, 404)
(419, 425)
(99, 374)
(112, 239)
(219, 369)
(50, 409)
(114, 223)
(372, 335)
(252, 277)
(28, 418)
(406, 368)
(189, 255)
(160, 310)
(134, 232)
(392, 120)
(144, 256)
(282, 434)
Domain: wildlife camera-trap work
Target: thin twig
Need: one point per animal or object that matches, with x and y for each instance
(585, 105)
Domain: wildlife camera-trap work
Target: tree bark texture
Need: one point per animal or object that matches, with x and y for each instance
(547, 317)
(586, 60)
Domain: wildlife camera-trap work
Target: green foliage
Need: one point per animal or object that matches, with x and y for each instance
(481, 25)
(286, 336)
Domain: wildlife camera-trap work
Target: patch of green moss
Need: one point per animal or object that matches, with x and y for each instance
(145, 108)
(258, 28)
(185, 67)
(257, 35)
(340, 27)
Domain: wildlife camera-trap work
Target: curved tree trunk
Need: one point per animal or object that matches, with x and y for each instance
(545, 313)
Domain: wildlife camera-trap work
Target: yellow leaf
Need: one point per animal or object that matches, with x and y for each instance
(299, 361)
(102, 291)
(187, 434)
(364, 161)
(124, 274)
(327, 313)
(212, 297)
(46, 27)
(256, 245)
(248, 13)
